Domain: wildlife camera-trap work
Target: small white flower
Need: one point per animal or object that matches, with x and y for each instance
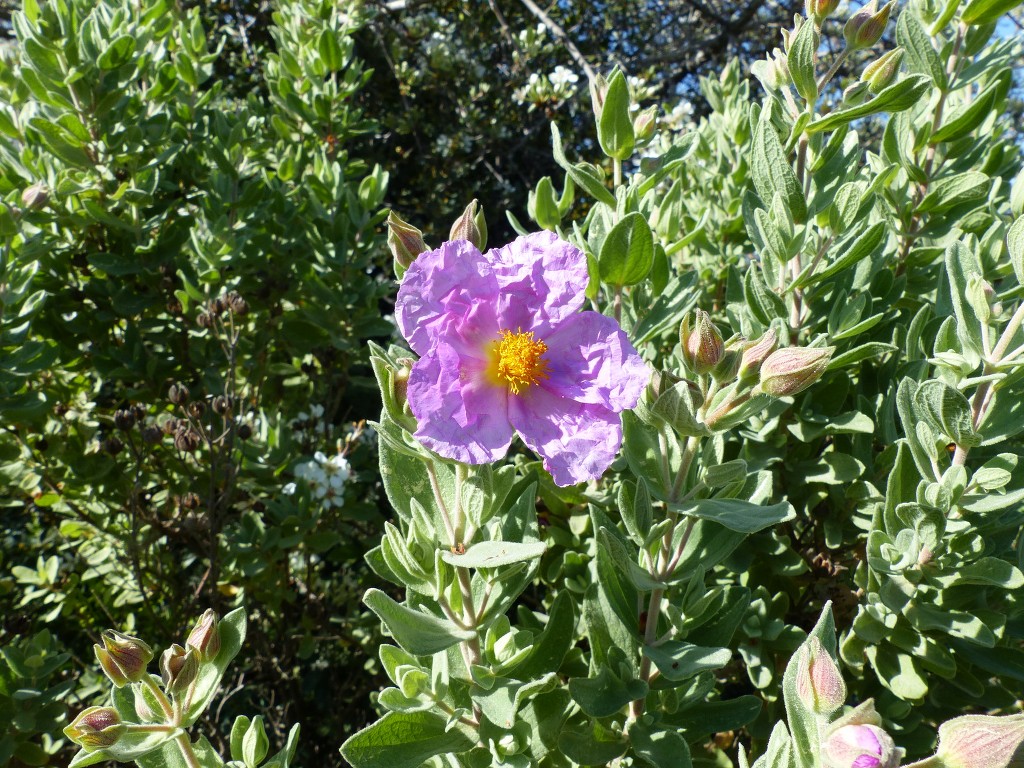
(289, 489)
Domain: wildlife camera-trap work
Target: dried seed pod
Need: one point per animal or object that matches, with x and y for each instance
(178, 393)
(196, 409)
(124, 419)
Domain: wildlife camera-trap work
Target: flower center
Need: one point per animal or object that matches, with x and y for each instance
(520, 359)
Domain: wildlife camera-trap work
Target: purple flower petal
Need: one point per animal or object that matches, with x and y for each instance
(461, 415)
(452, 280)
(542, 279)
(591, 360)
(578, 441)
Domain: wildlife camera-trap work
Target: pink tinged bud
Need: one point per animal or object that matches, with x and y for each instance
(124, 658)
(644, 124)
(860, 746)
(179, 669)
(882, 72)
(793, 369)
(756, 353)
(96, 728)
(821, 9)
(466, 227)
(404, 240)
(819, 683)
(701, 342)
(36, 196)
(982, 741)
(855, 22)
(205, 636)
(855, 94)
(868, 31)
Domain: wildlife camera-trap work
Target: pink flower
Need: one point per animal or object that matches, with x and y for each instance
(504, 349)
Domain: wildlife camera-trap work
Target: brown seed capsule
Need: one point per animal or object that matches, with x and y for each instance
(187, 440)
(237, 304)
(190, 501)
(205, 320)
(139, 412)
(170, 426)
(221, 405)
(178, 393)
(244, 431)
(151, 434)
(196, 409)
(124, 419)
(113, 446)
(174, 307)
(219, 305)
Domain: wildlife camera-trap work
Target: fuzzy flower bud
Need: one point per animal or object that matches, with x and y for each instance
(819, 683)
(36, 196)
(793, 369)
(854, 94)
(124, 658)
(465, 227)
(179, 669)
(779, 63)
(96, 728)
(644, 124)
(404, 240)
(982, 741)
(701, 341)
(865, 27)
(756, 352)
(882, 72)
(598, 92)
(860, 746)
(205, 636)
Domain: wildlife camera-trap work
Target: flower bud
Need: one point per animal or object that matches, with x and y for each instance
(702, 343)
(205, 636)
(727, 367)
(982, 741)
(860, 746)
(819, 683)
(96, 728)
(820, 9)
(793, 369)
(865, 27)
(854, 94)
(124, 658)
(598, 92)
(756, 352)
(404, 240)
(36, 196)
(644, 124)
(179, 669)
(465, 227)
(882, 72)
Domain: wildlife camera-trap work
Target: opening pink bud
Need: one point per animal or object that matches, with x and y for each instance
(861, 746)
(466, 227)
(701, 342)
(404, 240)
(755, 353)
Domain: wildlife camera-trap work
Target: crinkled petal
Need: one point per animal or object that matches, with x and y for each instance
(541, 278)
(447, 282)
(578, 441)
(461, 416)
(590, 359)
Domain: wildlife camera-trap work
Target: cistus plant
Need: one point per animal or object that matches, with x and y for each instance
(825, 348)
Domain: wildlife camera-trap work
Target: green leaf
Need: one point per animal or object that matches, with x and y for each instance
(858, 354)
(594, 746)
(635, 508)
(677, 660)
(948, 192)
(771, 171)
(592, 184)
(853, 248)
(802, 49)
(1015, 244)
(738, 515)
(660, 749)
(558, 636)
(255, 743)
(419, 633)
(980, 12)
(492, 554)
(716, 716)
(995, 473)
(118, 53)
(606, 694)
(896, 98)
(330, 50)
(405, 740)
(615, 128)
(947, 410)
(921, 55)
(969, 116)
(676, 407)
(627, 253)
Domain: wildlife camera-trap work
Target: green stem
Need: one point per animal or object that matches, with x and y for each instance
(833, 69)
(188, 752)
(161, 697)
(617, 172)
(442, 507)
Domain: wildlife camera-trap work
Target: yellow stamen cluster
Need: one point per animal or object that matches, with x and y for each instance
(520, 359)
